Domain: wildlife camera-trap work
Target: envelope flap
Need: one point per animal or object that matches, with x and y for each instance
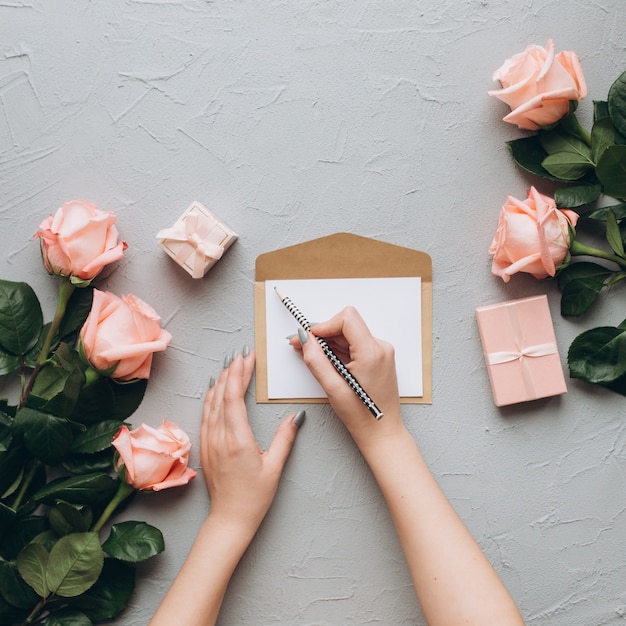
(343, 255)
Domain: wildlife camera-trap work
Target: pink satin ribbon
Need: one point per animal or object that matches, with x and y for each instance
(199, 249)
(522, 352)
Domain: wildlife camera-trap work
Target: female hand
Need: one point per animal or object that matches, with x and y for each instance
(240, 477)
(372, 363)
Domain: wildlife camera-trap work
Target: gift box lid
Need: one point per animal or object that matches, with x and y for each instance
(520, 349)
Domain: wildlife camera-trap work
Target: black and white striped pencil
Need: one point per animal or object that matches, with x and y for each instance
(332, 357)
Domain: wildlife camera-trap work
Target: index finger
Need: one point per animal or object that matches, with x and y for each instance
(238, 378)
(348, 323)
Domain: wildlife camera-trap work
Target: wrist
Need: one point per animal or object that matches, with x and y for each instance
(234, 532)
(377, 435)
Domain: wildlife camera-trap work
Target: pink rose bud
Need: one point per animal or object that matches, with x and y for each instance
(78, 241)
(122, 332)
(538, 85)
(154, 458)
(533, 236)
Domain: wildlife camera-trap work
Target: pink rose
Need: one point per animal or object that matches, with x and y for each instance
(124, 331)
(78, 241)
(533, 236)
(155, 458)
(538, 85)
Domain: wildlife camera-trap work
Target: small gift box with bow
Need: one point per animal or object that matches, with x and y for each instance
(520, 350)
(197, 240)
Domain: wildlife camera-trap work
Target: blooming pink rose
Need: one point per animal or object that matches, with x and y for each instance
(155, 458)
(533, 236)
(78, 240)
(538, 85)
(124, 331)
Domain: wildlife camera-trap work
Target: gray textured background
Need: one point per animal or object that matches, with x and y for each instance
(295, 119)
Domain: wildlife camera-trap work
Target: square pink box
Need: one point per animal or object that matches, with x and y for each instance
(197, 240)
(520, 350)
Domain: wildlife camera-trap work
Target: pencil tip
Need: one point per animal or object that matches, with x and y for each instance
(280, 295)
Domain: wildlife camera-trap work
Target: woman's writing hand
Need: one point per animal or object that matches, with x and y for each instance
(370, 360)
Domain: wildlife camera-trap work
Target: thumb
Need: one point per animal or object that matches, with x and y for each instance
(283, 440)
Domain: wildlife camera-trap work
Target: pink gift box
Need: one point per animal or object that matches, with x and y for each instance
(197, 240)
(520, 350)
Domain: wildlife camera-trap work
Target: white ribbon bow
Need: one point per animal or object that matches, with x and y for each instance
(199, 249)
(522, 351)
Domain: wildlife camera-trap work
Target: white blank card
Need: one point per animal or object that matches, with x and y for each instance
(391, 307)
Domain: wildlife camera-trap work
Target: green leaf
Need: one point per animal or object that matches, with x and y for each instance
(611, 171)
(600, 109)
(89, 463)
(574, 197)
(581, 270)
(74, 564)
(68, 617)
(128, 397)
(20, 533)
(6, 434)
(95, 402)
(12, 463)
(134, 541)
(20, 317)
(598, 355)
(579, 295)
(10, 615)
(602, 136)
(66, 518)
(32, 563)
(529, 155)
(617, 103)
(30, 358)
(76, 313)
(97, 437)
(567, 166)
(106, 399)
(14, 589)
(600, 215)
(47, 539)
(613, 235)
(111, 594)
(47, 437)
(9, 363)
(557, 141)
(38, 480)
(570, 125)
(7, 515)
(618, 385)
(91, 489)
(60, 382)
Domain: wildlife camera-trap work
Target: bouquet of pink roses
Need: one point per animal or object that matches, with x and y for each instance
(538, 235)
(67, 458)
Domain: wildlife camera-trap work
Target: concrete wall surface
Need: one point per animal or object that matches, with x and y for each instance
(293, 120)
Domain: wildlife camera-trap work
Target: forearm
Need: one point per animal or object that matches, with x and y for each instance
(196, 595)
(454, 581)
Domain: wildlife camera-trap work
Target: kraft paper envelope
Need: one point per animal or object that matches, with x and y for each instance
(342, 255)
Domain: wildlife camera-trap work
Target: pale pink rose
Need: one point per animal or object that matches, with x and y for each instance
(533, 236)
(124, 331)
(78, 240)
(154, 458)
(538, 85)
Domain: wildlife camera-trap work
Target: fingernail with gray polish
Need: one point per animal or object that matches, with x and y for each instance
(299, 418)
(303, 336)
(226, 362)
(211, 382)
(290, 337)
(233, 356)
(245, 352)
